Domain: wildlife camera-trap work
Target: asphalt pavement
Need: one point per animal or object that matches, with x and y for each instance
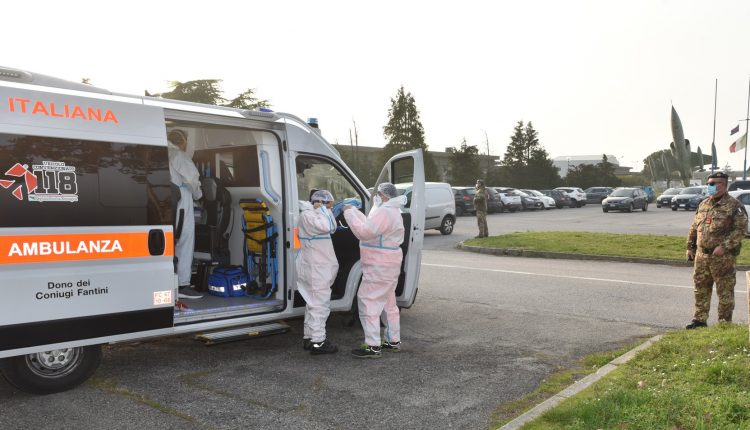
(485, 330)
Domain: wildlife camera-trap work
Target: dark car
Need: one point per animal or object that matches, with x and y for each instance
(494, 202)
(665, 198)
(689, 198)
(597, 194)
(529, 202)
(739, 185)
(464, 197)
(626, 199)
(562, 199)
(649, 190)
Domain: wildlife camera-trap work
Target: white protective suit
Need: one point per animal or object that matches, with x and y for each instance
(380, 236)
(316, 267)
(184, 174)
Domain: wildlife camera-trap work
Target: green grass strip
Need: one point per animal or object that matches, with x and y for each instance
(691, 379)
(609, 244)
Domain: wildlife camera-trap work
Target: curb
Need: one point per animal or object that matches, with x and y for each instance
(520, 252)
(577, 386)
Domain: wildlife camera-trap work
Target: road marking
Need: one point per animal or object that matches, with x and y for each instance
(583, 278)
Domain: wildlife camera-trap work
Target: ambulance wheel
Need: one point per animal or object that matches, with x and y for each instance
(52, 371)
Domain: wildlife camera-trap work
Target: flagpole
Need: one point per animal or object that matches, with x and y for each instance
(713, 140)
(747, 120)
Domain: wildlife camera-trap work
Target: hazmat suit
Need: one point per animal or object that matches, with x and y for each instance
(380, 234)
(184, 174)
(316, 267)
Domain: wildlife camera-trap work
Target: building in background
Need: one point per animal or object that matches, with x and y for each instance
(566, 162)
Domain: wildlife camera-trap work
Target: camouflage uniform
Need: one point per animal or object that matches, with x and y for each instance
(480, 205)
(722, 223)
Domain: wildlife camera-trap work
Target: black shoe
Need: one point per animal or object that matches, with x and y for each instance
(695, 324)
(306, 344)
(366, 351)
(391, 346)
(325, 347)
(187, 292)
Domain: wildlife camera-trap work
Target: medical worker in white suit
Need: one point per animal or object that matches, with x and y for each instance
(380, 236)
(184, 174)
(316, 269)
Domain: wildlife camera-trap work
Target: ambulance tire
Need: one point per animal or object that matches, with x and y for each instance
(72, 367)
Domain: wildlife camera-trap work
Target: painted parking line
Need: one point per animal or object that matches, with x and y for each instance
(582, 278)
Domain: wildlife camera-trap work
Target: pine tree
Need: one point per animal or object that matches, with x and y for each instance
(464, 164)
(404, 132)
(526, 163)
(208, 91)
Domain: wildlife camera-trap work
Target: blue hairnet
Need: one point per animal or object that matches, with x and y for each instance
(388, 189)
(321, 196)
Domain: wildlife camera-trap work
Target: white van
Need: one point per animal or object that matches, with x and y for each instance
(88, 222)
(440, 205)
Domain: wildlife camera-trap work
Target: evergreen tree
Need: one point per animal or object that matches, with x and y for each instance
(208, 91)
(404, 132)
(464, 164)
(526, 163)
(607, 173)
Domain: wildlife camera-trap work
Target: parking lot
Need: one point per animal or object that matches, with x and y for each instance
(484, 330)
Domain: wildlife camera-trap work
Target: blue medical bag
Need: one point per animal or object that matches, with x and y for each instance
(230, 281)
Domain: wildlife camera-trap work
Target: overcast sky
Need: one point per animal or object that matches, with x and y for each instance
(592, 76)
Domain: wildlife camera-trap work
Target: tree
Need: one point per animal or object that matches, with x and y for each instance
(607, 173)
(464, 164)
(208, 91)
(404, 132)
(526, 163)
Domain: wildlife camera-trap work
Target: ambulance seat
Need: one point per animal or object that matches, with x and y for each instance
(212, 237)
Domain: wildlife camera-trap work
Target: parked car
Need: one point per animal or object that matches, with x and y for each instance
(529, 202)
(597, 194)
(744, 197)
(689, 198)
(547, 202)
(739, 185)
(464, 199)
(440, 206)
(562, 199)
(494, 201)
(665, 199)
(510, 198)
(577, 196)
(626, 199)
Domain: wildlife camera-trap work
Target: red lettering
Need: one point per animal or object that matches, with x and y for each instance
(23, 104)
(39, 108)
(95, 114)
(10, 104)
(77, 112)
(52, 111)
(67, 111)
(110, 116)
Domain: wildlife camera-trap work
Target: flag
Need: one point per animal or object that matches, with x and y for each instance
(738, 144)
(735, 130)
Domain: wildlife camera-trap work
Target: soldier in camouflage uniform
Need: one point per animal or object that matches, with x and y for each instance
(714, 241)
(480, 206)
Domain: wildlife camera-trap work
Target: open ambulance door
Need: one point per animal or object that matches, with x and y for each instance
(408, 168)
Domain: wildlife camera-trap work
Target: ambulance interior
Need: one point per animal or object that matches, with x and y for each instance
(235, 166)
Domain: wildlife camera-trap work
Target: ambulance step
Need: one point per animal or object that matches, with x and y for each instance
(242, 333)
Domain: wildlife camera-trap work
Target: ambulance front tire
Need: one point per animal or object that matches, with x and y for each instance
(52, 371)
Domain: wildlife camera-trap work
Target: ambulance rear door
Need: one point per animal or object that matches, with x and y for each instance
(408, 167)
(86, 240)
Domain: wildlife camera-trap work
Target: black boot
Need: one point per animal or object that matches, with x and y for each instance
(695, 324)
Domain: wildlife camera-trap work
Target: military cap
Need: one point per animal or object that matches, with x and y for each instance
(719, 175)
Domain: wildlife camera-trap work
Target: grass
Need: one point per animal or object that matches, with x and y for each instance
(610, 244)
(697, 379)
(553, 385)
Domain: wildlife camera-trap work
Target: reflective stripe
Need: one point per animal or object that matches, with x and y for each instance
(321, 237)
(378, 246)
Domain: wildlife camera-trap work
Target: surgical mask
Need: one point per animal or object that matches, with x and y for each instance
(711, 190)
(377, 201)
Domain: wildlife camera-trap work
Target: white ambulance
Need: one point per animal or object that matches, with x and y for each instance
(88, 222)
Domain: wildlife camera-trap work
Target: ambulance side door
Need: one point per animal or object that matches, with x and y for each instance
(408, 167)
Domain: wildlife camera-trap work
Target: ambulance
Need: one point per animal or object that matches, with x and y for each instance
(88, 223)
